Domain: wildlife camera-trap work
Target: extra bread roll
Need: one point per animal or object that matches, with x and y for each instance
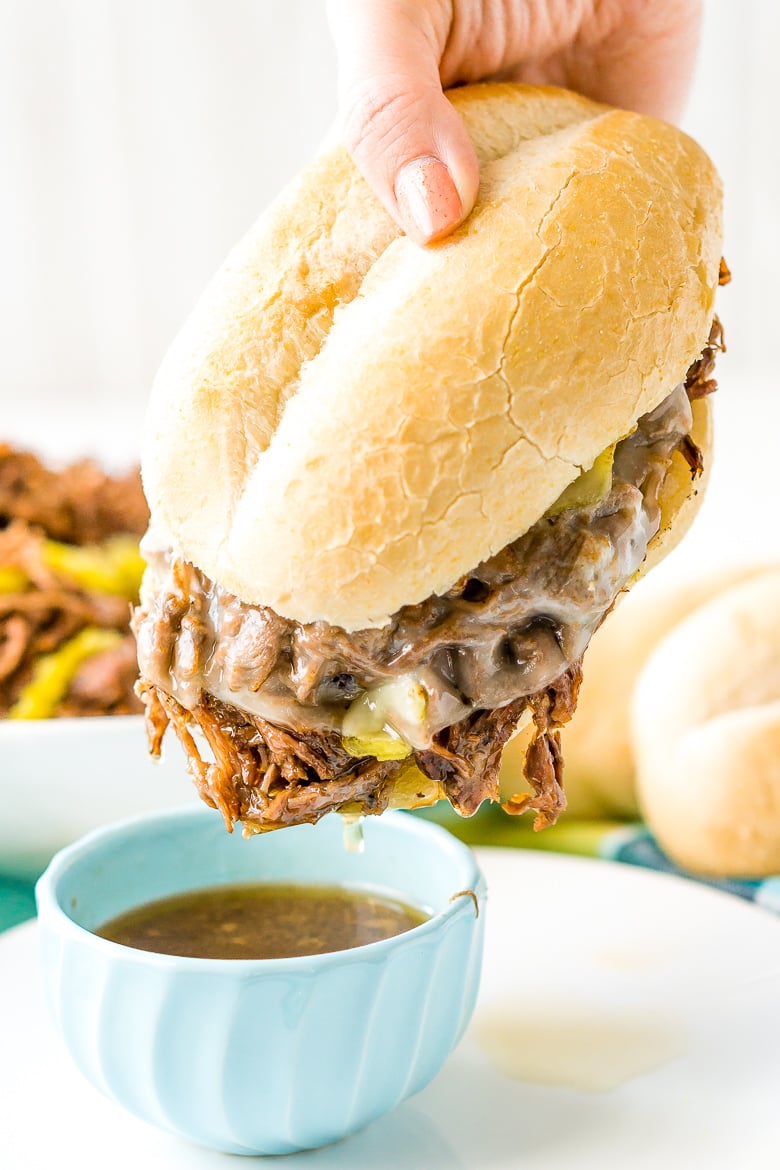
(348, 422)
(706, 734)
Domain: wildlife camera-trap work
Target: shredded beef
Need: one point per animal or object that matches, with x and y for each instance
(79, 504)
(44, 612)
(551, 709)
(41, 608)
(507, 639)
(104, 683)
(262, 775)
(266, 777)
(692, 455)
(700, 381)
(466, 757)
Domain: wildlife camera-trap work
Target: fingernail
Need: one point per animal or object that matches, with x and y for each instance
(427, 199)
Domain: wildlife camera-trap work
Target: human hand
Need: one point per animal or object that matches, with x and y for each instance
(396, 55)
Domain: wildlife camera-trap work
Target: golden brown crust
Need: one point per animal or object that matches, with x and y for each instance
(349, 422)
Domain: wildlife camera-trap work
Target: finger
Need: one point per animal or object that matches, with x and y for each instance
(398, 126)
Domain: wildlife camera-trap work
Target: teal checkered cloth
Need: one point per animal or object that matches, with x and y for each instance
(634, 845)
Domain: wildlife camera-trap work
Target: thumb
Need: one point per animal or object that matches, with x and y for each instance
(403, 134)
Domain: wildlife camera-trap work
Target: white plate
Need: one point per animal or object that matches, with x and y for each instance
(626, 1019)
(59, 778)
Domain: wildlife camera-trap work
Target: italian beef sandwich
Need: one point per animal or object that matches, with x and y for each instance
(394, 490)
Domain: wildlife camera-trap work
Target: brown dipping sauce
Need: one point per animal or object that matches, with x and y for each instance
(262, 921)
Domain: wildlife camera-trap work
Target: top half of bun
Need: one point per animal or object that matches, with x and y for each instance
(348, 422)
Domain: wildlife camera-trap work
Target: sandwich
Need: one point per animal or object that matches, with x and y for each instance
(394, 490)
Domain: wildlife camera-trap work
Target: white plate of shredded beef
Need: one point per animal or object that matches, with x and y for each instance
(626, 1018)
(73, 751)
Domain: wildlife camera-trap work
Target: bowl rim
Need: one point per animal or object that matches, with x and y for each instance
(52, 916)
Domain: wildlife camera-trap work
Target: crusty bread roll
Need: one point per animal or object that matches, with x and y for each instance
(706, 734)
(597, 742)
(349, 422)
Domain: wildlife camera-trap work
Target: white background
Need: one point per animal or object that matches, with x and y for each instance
(140, 139)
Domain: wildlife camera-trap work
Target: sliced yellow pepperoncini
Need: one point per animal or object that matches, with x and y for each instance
(115, 567)
(382, 745)
(12, 580)
(588, 488)
(53, 673)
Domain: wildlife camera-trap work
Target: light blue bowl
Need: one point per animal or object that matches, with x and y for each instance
(260, 1056)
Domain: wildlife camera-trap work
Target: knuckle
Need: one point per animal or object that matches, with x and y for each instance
(377, 116)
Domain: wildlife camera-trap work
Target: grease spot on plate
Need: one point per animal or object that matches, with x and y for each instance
(629, 961)
(591, 1050)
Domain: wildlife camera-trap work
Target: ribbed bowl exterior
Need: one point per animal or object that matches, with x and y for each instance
(266, 1056)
